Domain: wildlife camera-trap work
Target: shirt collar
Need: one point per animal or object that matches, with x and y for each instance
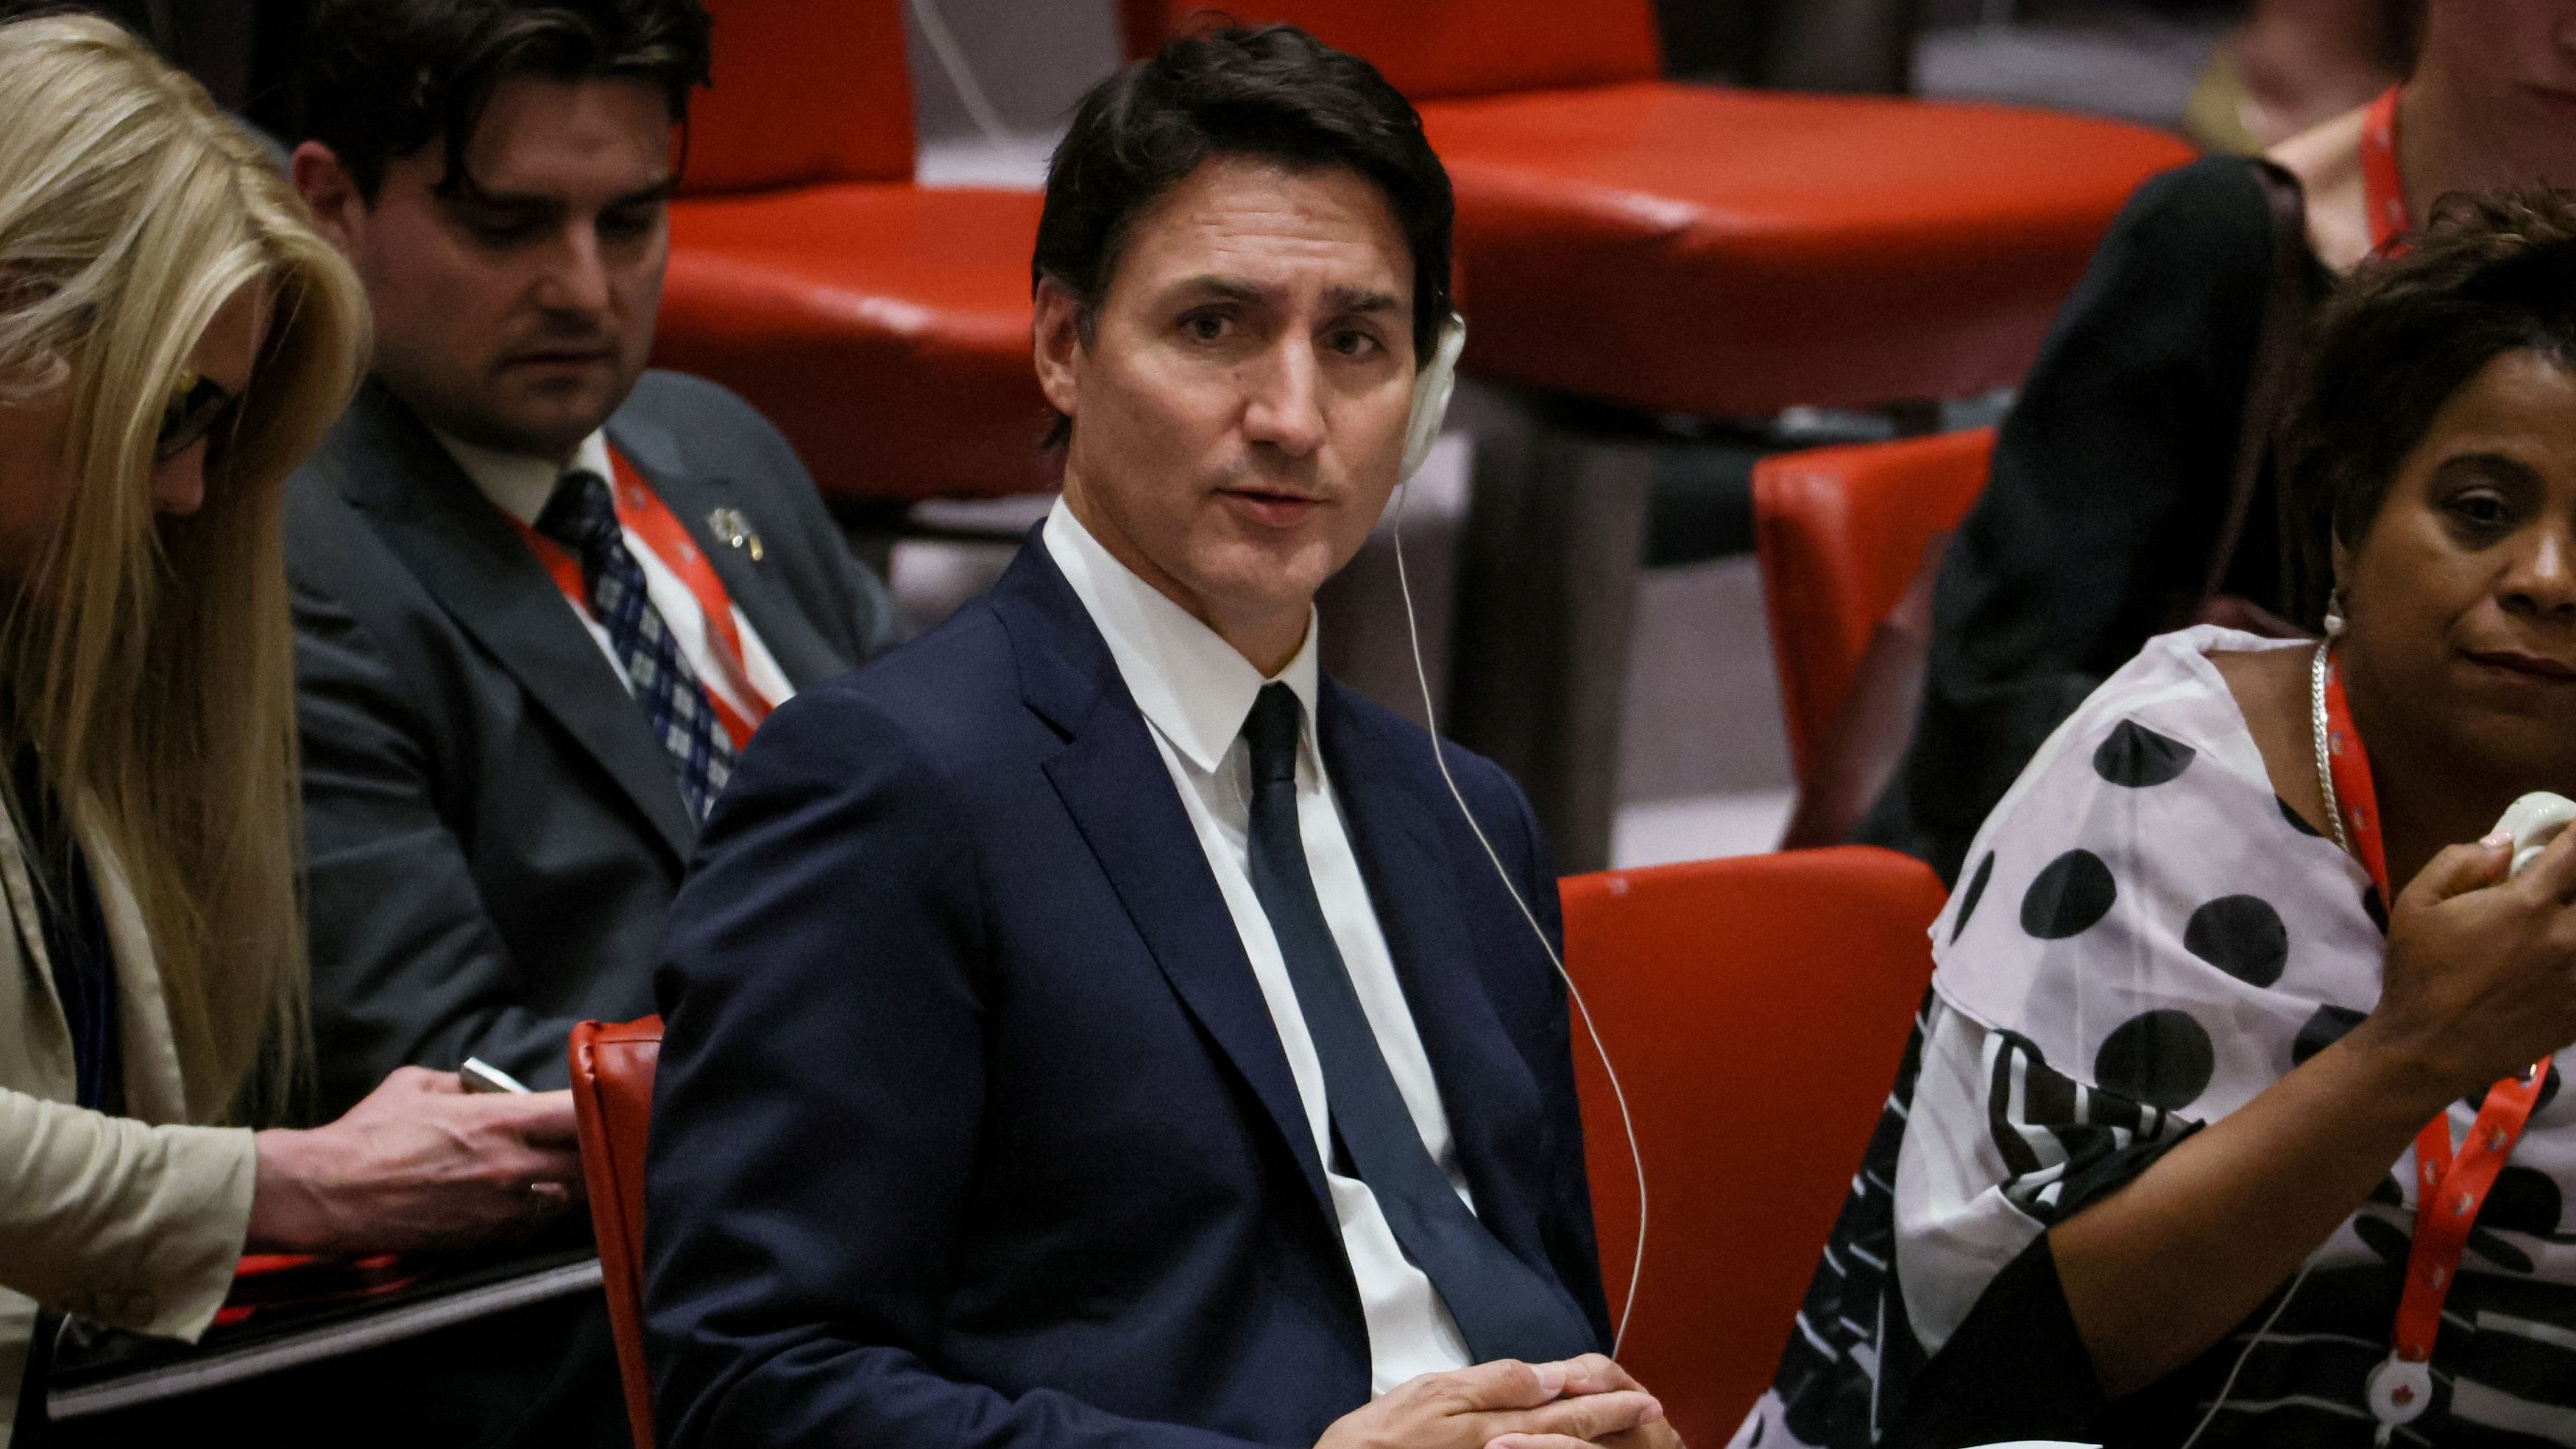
(521, 485)
(1189, 683)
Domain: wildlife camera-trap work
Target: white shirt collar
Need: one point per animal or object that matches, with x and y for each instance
(1191, 685)
(518, 484)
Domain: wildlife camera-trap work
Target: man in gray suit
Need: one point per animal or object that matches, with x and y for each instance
(542, 595)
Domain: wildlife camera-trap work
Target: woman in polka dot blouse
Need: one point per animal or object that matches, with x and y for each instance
(2149, 1173)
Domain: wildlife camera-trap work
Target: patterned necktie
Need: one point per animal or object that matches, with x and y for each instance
(582, 516)
(1503, 1307)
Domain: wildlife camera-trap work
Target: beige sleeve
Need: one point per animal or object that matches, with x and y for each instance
(131, 1225)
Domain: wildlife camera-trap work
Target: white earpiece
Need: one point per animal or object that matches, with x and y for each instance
(1431, 389)
(2533, 821)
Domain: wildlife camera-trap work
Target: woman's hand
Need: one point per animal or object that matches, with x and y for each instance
(2480, 983)
(2480, 979)
(420, 1163)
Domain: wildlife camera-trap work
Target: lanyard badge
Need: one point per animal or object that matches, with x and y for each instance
(2450, 1186)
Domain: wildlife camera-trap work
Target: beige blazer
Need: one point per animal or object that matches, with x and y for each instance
(132, 1222)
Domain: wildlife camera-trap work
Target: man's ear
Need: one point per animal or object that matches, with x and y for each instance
(339, 210)
(1055, 343)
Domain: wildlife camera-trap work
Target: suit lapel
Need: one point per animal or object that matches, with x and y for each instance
(802, 653)
(473, 561)
(1425, 875)
(1121, 797)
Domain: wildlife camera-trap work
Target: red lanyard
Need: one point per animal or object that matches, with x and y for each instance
(2449, 1189)
(644, 514)
(2383, 188)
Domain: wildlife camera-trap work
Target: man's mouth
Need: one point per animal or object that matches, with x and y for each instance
(557, 357)
(1272, 507)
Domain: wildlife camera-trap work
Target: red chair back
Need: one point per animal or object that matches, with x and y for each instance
(612, 1100)
(1841, 533)
(1756, 1008)
(804, 93)
(1437, 49)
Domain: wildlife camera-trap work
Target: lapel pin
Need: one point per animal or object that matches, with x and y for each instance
(729, 525)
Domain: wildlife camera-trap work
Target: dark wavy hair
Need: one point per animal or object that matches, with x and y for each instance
(2490, 274)
(1275, 93)
(383, 78)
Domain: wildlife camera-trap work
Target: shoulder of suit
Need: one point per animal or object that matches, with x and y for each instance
(692, 410)
(949, 683)
(1395, 742)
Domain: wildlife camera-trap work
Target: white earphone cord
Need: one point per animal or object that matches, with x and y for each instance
(1619, 1094)
(2251, 1344)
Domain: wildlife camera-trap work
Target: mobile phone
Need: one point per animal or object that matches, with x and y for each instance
(482, 1076)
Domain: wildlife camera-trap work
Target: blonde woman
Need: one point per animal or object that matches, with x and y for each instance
(172, 341)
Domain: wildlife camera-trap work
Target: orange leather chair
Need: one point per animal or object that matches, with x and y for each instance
(1842, 534)
(1756, 1008)
(1693, 249)
(883, 326)
(612, 1101)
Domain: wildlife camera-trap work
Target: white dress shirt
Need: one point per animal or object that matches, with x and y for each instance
(1195, 692)
(520, 486)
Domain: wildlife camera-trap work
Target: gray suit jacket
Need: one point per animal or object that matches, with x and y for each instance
(492, 832)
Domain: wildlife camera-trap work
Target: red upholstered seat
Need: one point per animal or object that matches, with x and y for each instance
(1701, 250)
(882, 325)
(1756, 1008)
(1841, 533)
(612, 1099)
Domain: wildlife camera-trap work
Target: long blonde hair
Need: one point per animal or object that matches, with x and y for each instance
(151, 658)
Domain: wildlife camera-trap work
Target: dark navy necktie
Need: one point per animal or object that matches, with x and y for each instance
(1502, 1306)
(582, 516)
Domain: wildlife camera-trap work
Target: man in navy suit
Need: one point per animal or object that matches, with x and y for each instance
(1089, 1026)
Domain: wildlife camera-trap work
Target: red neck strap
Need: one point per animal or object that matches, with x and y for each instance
(642, 512)
(2449, 1189)
(2383, 187)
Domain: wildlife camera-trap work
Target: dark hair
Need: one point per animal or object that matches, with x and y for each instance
(1275, 93)
(2490, 274)
(383, 78)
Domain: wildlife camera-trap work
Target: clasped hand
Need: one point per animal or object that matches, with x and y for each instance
(1508, 1404)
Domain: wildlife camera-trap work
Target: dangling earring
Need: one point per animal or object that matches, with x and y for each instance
(2334, 614)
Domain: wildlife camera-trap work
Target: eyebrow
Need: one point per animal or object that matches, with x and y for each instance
(2487, 464)
(1342, 300)
(541, 203)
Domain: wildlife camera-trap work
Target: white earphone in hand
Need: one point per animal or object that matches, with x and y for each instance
(2533, 821)
(1431, 389)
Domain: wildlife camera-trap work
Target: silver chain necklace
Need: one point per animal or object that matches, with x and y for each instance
(2325, 760)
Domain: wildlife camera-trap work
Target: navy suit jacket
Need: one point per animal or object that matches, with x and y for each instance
(972, 1126)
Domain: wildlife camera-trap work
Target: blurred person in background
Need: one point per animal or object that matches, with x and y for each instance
(2133, 488)
(543, 595)
(2299, 63)
(2207, 1135)
(173, 340)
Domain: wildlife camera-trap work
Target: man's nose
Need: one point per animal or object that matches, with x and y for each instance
(576, 276)
(1283, 406)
